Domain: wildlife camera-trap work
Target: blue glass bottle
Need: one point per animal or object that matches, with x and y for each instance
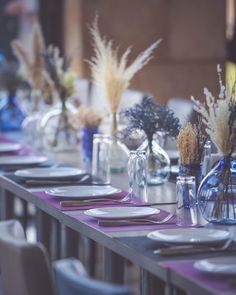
(87, 143)
(11, 115)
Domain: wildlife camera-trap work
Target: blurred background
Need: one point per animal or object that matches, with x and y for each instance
(196, 35)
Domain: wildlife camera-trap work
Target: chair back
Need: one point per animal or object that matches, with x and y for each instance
(71, 279)
(25, 267)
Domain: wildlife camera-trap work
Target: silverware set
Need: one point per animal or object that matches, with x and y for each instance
(136, 221)
(56, 182)
(192, 249)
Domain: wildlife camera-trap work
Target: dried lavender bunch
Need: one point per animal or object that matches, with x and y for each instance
(151, 117)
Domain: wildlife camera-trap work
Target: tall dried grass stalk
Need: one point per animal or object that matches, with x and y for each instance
(111, 73)
(32, 61)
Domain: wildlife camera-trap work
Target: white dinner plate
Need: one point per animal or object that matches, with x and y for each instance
(9, 147)
(49, 173)
(189, 235)
(218, 265)
(82, 191)
(21, 160)
(121, 212)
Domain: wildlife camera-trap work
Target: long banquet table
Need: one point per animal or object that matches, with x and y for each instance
(159, 275)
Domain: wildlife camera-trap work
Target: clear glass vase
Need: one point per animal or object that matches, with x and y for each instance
(11, 114)
(119, 151)
(57, 132)
(217, 193)
(31, 124)
(158, 162)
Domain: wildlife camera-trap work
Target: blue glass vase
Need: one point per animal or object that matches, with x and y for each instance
(87, 143)
(217, 193)
(11, 115)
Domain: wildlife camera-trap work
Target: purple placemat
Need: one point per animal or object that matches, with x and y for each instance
(94, 223)
(186, 269)
(23, 151)
(55, 202)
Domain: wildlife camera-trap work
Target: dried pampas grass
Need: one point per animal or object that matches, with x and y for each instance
(32, 62)
(110, 72)
(219, 116)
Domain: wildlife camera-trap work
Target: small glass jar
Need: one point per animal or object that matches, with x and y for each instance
(186, 207)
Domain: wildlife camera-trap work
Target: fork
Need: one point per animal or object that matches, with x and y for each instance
(136, 221)
(191, 249)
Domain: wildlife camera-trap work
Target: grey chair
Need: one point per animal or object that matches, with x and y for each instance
(26, 270)
(71, 279)
(25, 267)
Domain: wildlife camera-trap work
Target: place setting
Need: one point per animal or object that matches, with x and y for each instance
(187, 241)
(51, 176)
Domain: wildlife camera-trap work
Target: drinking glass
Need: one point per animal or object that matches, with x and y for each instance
(101, 158)
(137, 171)
(186, 207)
(206, 158)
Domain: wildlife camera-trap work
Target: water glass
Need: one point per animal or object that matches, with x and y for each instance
(101, 158)
(137, 171)
(186, 208)
(206, 158)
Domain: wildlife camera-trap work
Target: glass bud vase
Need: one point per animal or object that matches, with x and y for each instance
(217, 195)
(11, 115)
(31, 124)
(119, 151)
(57, 132)
(158, 162)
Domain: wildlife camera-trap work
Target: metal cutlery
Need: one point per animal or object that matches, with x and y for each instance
(87, 202)
(57, 182)
(135, 221)
(191, 249)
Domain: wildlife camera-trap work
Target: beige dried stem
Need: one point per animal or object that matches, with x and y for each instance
(111, 73)
(31, 60)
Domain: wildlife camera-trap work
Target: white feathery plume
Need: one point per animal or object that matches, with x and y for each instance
(110, 72)
(216, 114)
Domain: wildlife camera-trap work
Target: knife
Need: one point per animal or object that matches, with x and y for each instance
(47, 182)
(71, 203)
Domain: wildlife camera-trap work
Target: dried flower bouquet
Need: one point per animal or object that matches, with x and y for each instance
(219, 116)
(62, 81)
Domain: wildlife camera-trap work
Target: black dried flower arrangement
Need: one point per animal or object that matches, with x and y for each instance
(151, 117)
